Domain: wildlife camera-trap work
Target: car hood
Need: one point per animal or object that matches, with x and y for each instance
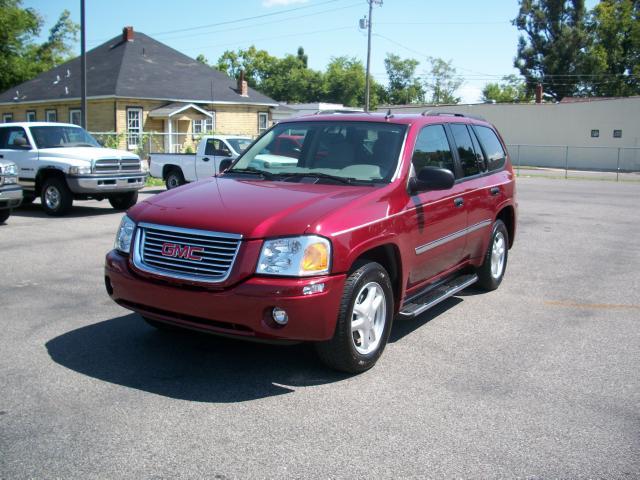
(84, 153)
(252, 208)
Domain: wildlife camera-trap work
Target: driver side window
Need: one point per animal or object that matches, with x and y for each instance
(432, 149)
(13, 138)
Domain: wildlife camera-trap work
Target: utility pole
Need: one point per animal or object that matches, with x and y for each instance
(368, 22)
(83, 69)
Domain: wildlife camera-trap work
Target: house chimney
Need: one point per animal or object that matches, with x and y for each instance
(243, 86)
(127, 34)
(539, 93)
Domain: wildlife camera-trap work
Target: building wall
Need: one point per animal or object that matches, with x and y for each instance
(100, 114)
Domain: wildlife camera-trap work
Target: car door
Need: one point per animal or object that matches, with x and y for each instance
(207, 164)
(439, 219)
(16, 146)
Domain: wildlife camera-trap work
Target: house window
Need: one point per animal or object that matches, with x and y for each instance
(51, 116)
(203, 126)
(75, 116)
(31, 116)
(617, 134)
(7, 117)
(595, 133)
(134, 127)
(263, 121)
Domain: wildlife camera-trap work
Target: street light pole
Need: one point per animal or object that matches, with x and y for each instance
(83, 69)
(367, 86)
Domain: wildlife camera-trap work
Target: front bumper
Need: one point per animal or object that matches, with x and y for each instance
(243, 310)
(10, 196)
(94, 184)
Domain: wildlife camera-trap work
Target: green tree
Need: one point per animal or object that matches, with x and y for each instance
(443, 82)
(202, 59)
(289, 81)
(20, 57)
(257, 64)
(511, 89)
(345, 79)
(615, 50)
(552, 48)
(404, 86)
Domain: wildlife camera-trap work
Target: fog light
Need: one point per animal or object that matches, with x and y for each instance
(280, 316)
(311, 289)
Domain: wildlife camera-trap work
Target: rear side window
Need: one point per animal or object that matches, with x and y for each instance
(432, 149)
(492, 147)
(216, 147)
(466, 152)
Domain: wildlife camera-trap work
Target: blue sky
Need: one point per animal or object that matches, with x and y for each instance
(476, 35)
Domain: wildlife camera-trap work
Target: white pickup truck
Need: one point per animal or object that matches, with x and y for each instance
(179, 168)
(61, 162)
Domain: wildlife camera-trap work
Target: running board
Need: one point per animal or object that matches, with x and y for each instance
(437, 295)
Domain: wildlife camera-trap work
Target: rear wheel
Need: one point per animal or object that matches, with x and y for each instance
(4, 215)
(56, 197)
(491, 272)
(124, 201)
(364, 321)
(174, 179)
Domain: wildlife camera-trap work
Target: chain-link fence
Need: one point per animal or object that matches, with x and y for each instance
(611, 163)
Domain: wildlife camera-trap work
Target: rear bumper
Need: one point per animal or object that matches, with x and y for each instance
(242, 311)
(106, 184)
(10, 196)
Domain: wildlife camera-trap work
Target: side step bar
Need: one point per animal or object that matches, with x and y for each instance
(437, 295)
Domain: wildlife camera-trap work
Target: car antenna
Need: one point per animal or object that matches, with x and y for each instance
(388, 115)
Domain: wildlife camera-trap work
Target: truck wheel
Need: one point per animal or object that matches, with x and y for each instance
(4, 214)
(364, 321)
(491, 272)
(174, 179)
(56, 197)
(124, 201)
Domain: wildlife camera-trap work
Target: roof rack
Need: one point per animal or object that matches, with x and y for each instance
(340, 111)
(429, 113)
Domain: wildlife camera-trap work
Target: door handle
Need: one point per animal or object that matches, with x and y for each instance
(205, 159)
(495, 191)
(458, 202)
(1, 156)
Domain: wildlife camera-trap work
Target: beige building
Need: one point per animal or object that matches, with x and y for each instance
(142, 95)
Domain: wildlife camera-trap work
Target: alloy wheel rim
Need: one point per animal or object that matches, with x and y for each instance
(368, 318)
(52, 197)
(498, 255)
(173, 181)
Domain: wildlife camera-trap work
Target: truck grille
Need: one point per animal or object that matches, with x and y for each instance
(117, 165)
(186, 254)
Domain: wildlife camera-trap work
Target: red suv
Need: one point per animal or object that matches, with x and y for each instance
(376, 216)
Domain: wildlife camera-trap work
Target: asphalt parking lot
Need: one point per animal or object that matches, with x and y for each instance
(536, 380)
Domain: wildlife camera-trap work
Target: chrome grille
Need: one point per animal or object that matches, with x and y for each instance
(186, 254)
(117, 165)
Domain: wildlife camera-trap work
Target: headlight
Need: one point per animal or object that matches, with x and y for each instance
(8, 180)
(124, 235)
(80, 170)
(10, 170)
(295, 256)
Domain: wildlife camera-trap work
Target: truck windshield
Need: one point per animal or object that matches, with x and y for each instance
(239, 144)
(351, 150)
(58, 136)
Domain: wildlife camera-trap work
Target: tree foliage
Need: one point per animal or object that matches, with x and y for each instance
(404, 86)
(20, 57)
(511, 89)
(443, 82)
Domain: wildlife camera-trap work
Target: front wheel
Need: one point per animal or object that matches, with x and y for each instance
(124, 201)
(174, 179)
(56, 197)
(364, 321)
(4, 215)
(491, 272)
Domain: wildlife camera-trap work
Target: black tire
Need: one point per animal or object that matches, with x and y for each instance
(163, 327)
(487, 279)
(174, 179)
(341, 352)
(27, 200)
(4, 215)
(123, 201)
(56, 197)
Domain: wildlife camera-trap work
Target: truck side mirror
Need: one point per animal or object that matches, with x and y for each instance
(225, 164)
(432, 178)
(21, 143)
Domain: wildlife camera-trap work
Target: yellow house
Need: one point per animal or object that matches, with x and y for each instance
(143, 95)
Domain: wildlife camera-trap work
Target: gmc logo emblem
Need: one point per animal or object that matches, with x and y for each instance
(181, 251)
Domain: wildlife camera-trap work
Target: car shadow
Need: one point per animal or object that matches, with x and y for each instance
(78, 210)
(187, 365)
(403, 327)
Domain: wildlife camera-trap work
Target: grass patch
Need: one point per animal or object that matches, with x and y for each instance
(154, 182)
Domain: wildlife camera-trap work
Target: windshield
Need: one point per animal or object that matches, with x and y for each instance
(239, 144)
(57, 136)
(357, 151)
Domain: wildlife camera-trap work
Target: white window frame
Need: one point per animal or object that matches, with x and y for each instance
(7, 117)
(47, 115)
(134, 127)
(205, 125)
(75, 111)
(31, 116)
(265, 116)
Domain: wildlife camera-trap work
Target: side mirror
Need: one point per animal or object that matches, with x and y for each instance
(432, 178)
(225, 164)
(20, 142)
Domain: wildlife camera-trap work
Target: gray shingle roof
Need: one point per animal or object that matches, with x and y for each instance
(142, 68)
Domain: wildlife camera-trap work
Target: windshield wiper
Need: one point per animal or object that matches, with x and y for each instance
(255, 171)
(346, 180)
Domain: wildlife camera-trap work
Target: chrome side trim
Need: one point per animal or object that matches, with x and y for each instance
(453, 236)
